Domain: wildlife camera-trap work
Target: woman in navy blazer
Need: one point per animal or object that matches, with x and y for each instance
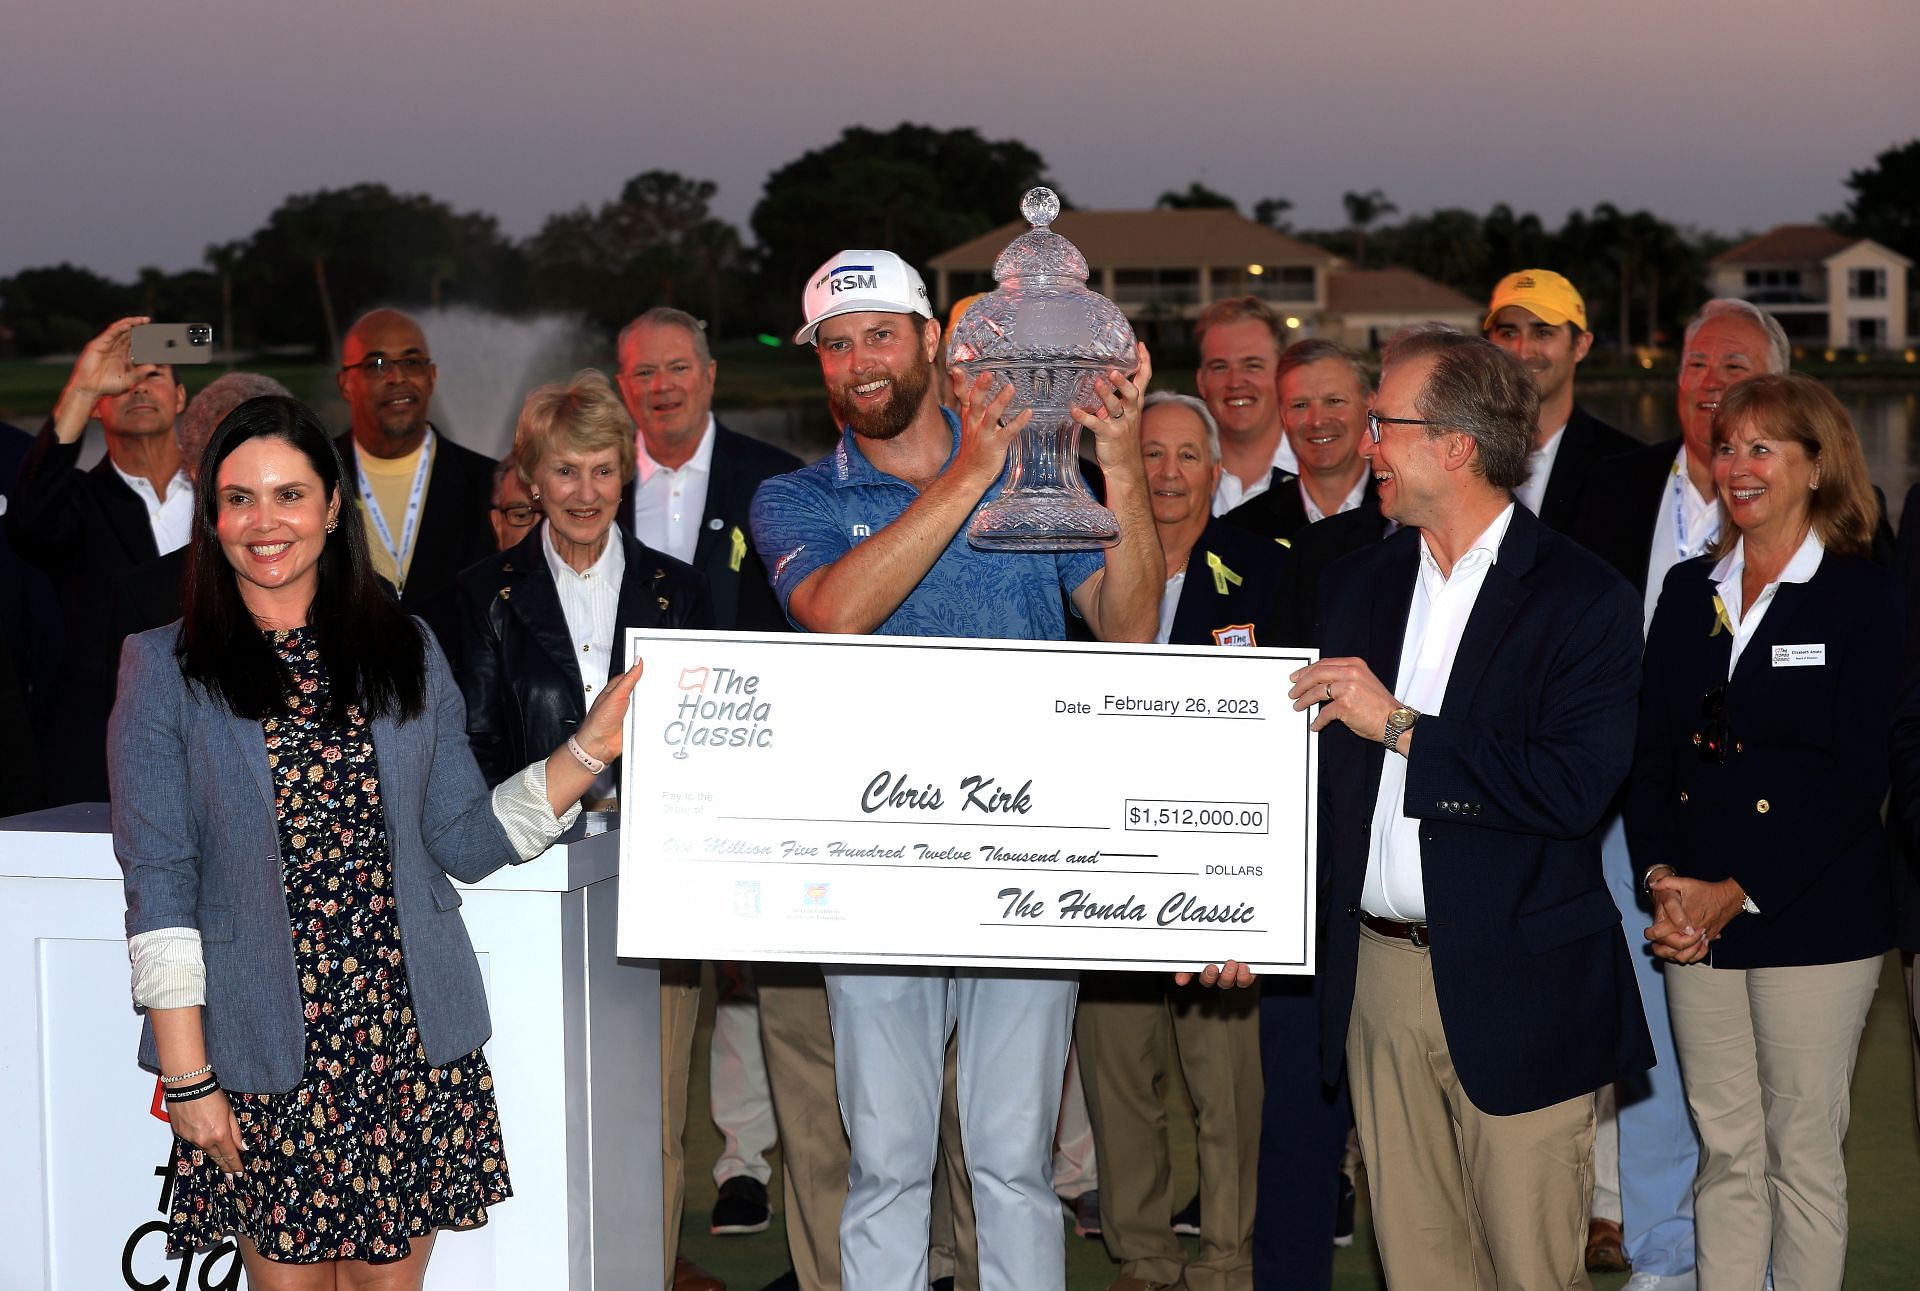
(1761, 768)
(292, 787)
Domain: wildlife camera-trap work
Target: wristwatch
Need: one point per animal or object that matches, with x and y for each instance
(1399, 721)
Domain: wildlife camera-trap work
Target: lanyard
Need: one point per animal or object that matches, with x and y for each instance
(415, 497)
(1681, 547)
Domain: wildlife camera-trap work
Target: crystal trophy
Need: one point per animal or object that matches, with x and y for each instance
(1050, 337)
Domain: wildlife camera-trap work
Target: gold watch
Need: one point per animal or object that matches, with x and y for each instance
(1399, 722)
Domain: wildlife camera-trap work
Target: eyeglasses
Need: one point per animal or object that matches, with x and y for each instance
(1375, 421)
(374, 365)
(519, 514)
(1713, 710)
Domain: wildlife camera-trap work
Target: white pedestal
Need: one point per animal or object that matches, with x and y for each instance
(575, 1055)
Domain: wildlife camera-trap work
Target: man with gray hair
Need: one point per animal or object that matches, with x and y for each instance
(1473, 969)
(1644, 512)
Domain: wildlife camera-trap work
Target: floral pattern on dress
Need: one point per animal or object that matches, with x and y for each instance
(374, 1146)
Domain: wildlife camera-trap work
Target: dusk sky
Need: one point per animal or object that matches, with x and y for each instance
(137, 136)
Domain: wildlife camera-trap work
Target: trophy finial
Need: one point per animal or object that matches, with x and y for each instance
(1041, 206)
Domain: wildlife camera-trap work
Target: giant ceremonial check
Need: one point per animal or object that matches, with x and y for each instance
(897, 800)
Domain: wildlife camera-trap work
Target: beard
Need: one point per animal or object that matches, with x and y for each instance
(897, 413)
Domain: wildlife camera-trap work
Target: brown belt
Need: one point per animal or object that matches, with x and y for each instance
(1414, 932)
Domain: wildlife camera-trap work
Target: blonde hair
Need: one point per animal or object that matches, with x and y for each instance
(1790, 407)
(583, 415)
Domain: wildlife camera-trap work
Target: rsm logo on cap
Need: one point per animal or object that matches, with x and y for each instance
(853, 277)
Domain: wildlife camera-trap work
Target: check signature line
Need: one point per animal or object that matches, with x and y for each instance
(918, 824)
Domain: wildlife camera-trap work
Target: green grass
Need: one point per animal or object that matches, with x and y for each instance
(1883, 1167)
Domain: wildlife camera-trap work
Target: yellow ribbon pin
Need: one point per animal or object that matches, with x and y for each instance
(739, 550)
(1221, 574)
(1722, 621)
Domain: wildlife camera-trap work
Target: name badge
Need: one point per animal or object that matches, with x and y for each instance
(1799, 656)
(1238, 634)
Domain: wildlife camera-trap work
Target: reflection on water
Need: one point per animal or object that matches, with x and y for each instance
(1884, 413)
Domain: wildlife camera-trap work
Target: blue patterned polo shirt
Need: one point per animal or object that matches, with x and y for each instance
(806, 520)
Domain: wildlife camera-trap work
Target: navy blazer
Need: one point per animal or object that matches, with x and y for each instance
(82, 528)
(199, 847)
(1794, 811)
(455, 530)
(1511, 781)
(1234, 581)
(1584, 444)
(737, 582)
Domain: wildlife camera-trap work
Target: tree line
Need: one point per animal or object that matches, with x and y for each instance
(323, 257)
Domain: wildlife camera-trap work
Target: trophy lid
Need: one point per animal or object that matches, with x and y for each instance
(1040, 252)
(1043, 311)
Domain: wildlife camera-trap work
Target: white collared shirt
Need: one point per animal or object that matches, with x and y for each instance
(1539, 470)
(669, 501)
(1349, 503)
(590, 600)
(1683, 513)
(1230, 493)
(1170, 605)
(1436, 620)
(171, 520)
(1726, 579)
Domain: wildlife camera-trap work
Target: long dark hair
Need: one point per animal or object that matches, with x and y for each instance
(373, 652)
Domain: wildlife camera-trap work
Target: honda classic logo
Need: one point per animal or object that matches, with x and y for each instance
(719, 707)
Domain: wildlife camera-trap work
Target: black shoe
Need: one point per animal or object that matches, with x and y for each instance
(741, 1207)
(941, 1284)
(1187, 1222)
(1343, 1212)
(788, 1281)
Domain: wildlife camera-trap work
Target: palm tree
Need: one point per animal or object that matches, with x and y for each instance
(1363, 209)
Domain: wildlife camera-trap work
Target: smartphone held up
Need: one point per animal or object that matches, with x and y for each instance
(171, 343)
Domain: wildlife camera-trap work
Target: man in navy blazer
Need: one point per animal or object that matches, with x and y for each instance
(1474, 972)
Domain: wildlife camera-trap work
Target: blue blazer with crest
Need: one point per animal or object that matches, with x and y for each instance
(199, 847)
(1793, 813)
(1510, 782)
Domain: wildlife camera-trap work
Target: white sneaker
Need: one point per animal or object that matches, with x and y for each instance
(1657, 1282)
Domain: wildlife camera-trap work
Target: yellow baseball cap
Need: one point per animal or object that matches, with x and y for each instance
(1542, 291)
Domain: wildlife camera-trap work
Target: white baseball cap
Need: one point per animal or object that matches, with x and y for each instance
(862, 282)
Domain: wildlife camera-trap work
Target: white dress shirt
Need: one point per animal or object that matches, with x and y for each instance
(1349, 503)
(1726, 577)
(1539, 471)
(1687, 524)
(1230, 493)
(1169, 605)
(669, 501)
(1436, 620)
(590, 600)
(172, 520)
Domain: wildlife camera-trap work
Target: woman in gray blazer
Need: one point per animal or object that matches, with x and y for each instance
(292, 786)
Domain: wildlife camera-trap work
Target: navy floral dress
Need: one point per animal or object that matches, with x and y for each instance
(374, 1146)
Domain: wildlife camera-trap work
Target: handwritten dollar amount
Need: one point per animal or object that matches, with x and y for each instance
(1196, 817)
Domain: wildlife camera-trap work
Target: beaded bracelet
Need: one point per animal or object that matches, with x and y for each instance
(193, 1092)
(185, 1076)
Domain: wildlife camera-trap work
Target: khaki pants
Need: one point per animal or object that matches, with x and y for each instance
(1767, 1055)
(796, 1036)
(679, 1015)
(1128, 1030)
(1461, 1199)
